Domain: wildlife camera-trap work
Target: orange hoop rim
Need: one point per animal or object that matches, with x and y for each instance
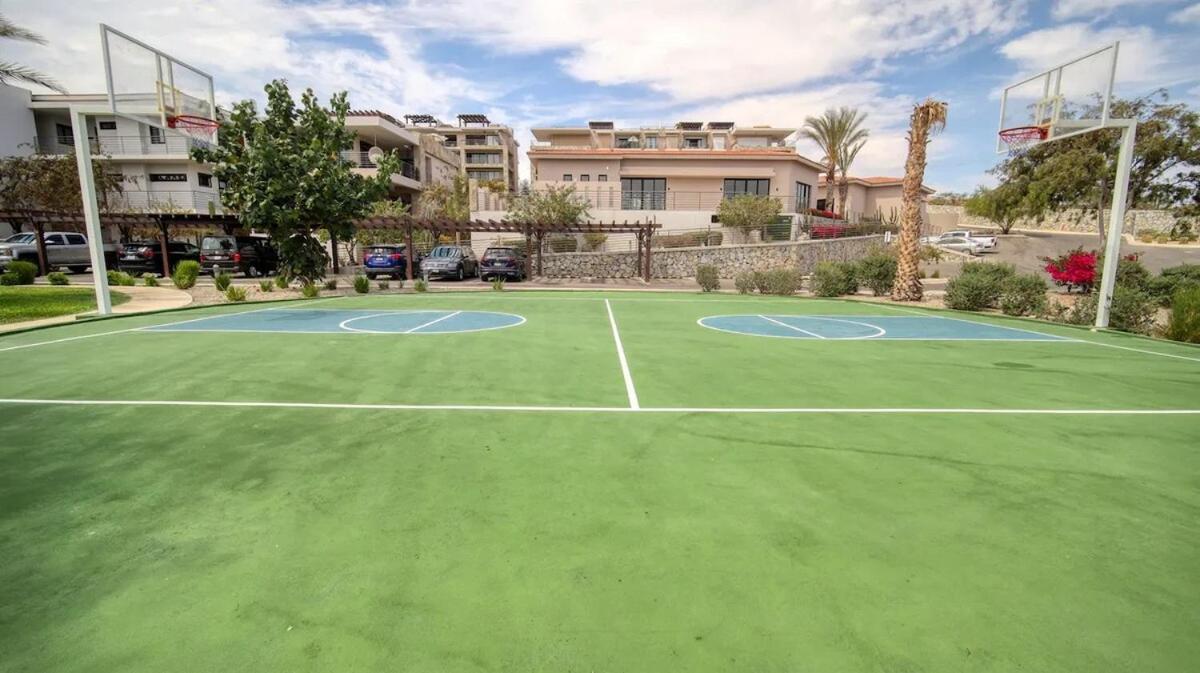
(192, 122)
(1023, 136)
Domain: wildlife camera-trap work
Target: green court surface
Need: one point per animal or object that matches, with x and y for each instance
(597, 482)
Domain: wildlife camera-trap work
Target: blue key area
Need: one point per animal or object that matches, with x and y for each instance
(931, 328)
(323, 321)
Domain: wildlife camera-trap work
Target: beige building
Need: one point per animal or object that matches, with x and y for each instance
(424, 160)
(870, 197)
(486, 151)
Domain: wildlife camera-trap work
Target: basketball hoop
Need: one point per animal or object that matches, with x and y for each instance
(200, 128)
(1021, 138)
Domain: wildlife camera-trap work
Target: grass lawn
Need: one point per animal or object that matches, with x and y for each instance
(338, 485)
(32, 302)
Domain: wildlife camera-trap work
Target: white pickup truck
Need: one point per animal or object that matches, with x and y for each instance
(63, 249)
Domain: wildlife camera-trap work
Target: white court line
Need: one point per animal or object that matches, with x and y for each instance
(570, 409)
(432, 322)
(783, 324)
(629, 389)
(1139, 350)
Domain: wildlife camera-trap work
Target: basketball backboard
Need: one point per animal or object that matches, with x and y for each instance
(1065, 100)
(153, 87)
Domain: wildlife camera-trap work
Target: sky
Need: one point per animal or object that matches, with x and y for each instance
(645, 63)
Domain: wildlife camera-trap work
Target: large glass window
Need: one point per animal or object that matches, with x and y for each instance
(651, 142)
(755, 186)
(803, 194)
(643, 193)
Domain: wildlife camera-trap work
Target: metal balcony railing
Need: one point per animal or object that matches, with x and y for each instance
(490, 141)
(165, 201)
(165, 144)
(363, 160)
(614, 198)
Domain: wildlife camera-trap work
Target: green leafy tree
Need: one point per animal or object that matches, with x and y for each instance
(15, 72)
(748, 212)
(51, 182)
(284, 174)
(552, 205)
(443, 201)
(1079, 172)
(834, 131)
(1003, 205)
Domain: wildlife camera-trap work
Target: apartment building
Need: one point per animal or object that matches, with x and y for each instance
(424, 160)
(870, 196)
(155, 168)
(487, 151)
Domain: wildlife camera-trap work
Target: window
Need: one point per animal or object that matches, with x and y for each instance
(693, 143)
(584, 177)
(803, 194)
(628, 141)
(205, 179)
(567, 177)
(76, 239)
(820, 204)
(64, 134)
(168, 177)
(603, 177)
(651, 142)
(753, 141)
(643, 193)
(55, 239)
(107, 126)
(718, 142)
(485, 175)
(157, 137)
(757, 187)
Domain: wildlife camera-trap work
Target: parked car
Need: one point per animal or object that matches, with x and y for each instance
(249, 255)
(450, 261)
(502, 262)
(985, 242)
(141, 257)
(63, 248)
(960, 243)
(388, 260)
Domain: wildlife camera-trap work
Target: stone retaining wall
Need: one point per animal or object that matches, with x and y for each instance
(1158, 221)
(729, 259)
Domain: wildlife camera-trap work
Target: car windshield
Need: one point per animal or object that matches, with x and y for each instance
(217, 244)
(442, 251)
(384, 249)
(19, 238)
(499, 253)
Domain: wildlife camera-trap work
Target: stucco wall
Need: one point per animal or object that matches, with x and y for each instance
(17, 130)
(729, 260)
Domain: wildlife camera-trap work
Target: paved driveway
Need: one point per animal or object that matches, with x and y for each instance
(1025, 250)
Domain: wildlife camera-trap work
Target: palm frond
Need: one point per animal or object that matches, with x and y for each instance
(12, 31)
(17, 72)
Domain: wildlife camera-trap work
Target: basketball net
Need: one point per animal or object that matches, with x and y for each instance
(1019, 139)
(199, 128)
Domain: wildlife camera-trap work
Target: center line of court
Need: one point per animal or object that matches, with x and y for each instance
(435, 320)
(629, 389)
(783, 324)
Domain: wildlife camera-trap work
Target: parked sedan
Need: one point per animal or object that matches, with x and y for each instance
(450, 261)
(959, 243)
(146, 256)
(502, 262)
(387, 260)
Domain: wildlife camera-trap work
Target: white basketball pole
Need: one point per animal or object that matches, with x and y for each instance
(1116, 219)
(91, 210)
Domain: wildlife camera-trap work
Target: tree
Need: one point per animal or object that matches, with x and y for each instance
(1003, 205)
(16, 72)
(927, 117)
(284, 174)
(51, 182)
(833, 131)
(552, 205)
(846, 156)
(748, 211)
(442, 202)
(1079, 172)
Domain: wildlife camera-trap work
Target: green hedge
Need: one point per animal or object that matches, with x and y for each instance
(1023, 294)
(834, 279)
(185, 274)
(707, 278)
(876, 272)
(24, 272)
(1184, 324)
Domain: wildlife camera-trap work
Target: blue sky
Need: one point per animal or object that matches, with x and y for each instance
(557, 62)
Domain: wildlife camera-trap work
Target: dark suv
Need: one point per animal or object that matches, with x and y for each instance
(251, 255)
(387, 260)
(146, 256)
(450, 261)
(502, 262)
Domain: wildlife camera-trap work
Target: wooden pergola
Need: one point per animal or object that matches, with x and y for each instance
(534, 234)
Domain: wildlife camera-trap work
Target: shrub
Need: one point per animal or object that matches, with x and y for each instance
(383, 285)
(1023, 294)
(331, 284)
(994, 271)
(266, 286)
(24, 271)
(1171, 280)
(420, 285)
(185, 274)
(932, 253)
(282, 281)
(498, 284)
(782, 281)
(58, 278)
(706, 277)
(1162, 238)
(744, 282)
(1073, 269)
(1132, 310)
(936, 274)
(973, 291)
(595, 241)
(309, 290)
(149, 280)
(235, 293)
(9, 278)
(222, 281)
(834, 279)
(362, 285)
(120, 278)
(1132, 273)
(760, 281)
(1184, 324)
(877, 272)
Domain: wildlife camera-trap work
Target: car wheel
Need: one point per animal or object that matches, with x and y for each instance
(252, 271)
(461, 274)
(77, 269)
(370, 276)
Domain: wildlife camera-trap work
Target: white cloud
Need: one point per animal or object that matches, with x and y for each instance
(693, 51)
(1187, 15)
(1090, 9)
(1146, 58)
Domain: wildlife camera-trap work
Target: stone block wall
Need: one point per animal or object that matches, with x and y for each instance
(1136, 221)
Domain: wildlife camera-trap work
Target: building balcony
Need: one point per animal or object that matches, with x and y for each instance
(163, 145)
(165, 201)
(614, 198)
(363, 160)
(489, 141)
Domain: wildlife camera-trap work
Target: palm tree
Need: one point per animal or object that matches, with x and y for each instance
(17, 72)
(927, 117)
(846, 157)
(833, 131)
